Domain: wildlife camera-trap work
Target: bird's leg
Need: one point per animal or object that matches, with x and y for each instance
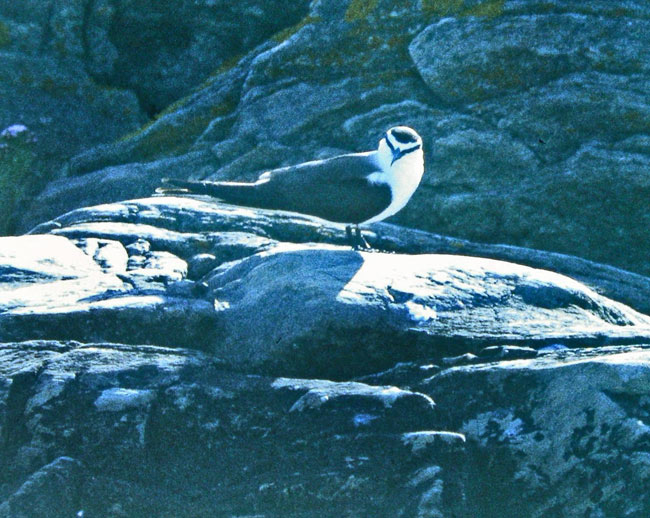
(358, 242)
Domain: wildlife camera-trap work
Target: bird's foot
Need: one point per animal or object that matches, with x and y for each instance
(357, 241)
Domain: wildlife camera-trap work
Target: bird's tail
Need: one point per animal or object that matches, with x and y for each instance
(235, 192)
(176, 186)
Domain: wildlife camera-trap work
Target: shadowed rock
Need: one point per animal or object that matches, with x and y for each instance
(266, 305)
(260, 366)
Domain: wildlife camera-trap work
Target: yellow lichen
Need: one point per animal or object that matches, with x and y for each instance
(285, 34)
(489, 9)
(442, 7)
(174, 137)
(360, 9)
(227, 65)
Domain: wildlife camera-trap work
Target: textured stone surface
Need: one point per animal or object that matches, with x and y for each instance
(554, 429)
(533, 114)
(169, 433)
(317, 308)
(320, 310)
(83, 73)
(143, 429)
(175, 357)
(191, 227)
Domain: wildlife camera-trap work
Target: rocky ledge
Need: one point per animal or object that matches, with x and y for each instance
(177, 357)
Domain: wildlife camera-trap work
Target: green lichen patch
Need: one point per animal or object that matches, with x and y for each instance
(487, 9)
(442, 7)
(17, 180)
(226, 66)
(177, 136)
(285, 34)
(5, 35)
(360, 10)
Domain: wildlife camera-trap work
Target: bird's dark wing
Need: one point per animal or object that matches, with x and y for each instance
(356, 165)
(335, 189)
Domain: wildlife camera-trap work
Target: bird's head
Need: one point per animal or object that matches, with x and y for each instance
(398, 142)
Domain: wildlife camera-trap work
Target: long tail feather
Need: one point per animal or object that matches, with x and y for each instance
(227, 191)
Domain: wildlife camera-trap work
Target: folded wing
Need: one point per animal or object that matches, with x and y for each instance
(336, 189)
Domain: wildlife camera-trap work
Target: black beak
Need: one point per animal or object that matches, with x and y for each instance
(396, 152)
(399, 153)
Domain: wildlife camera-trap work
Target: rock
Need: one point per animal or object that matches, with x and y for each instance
(51, 491)
(161, 52)
(63, 107)
(111, 185)
(555, 428)
(111, 257)
(146, 420)
(81, 74)
(268, 305)
(199, 226)
(201, 264)
(506, 352)
(521, 52)
(28, 259)
(363, 299)
(171, 414)
(178, 357)
(18, 181)
(389, 383)
(46, 278)
(549, 111)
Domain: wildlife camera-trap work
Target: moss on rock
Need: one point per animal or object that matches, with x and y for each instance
(172, 137)
(360, 9)
(442, 7)
(285, 34)
(488, 9)
(5, 35)
(17, 176)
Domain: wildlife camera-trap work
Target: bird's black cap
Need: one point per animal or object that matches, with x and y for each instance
(404, 135)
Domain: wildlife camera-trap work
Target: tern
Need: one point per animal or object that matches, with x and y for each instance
(354, 189)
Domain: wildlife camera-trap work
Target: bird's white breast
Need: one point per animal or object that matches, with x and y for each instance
(403, 177)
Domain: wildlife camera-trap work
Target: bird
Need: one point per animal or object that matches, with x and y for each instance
(354, 189)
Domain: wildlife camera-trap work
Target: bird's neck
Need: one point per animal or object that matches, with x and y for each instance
(407, 171)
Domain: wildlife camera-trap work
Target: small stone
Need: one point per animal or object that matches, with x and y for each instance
(182, 288)
(139, 247)
(13, 131)
(200, 264)
(119, 399)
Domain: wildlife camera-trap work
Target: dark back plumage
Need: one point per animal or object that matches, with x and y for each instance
(335, 189)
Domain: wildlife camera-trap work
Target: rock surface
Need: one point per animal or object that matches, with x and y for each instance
(81, 73)
(176, 357)
(524, 106)
(551, 429)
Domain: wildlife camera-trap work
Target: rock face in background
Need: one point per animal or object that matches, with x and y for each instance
(534, 114)
(175, 357)
(78, 73)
